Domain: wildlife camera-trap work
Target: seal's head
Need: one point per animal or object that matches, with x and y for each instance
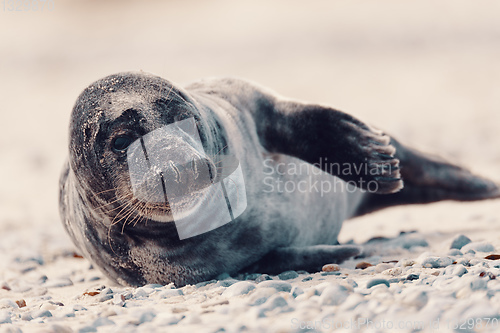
(123, 121)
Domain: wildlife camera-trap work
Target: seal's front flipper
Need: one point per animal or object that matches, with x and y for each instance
(336, 142)
(428, 179)
(310, 258)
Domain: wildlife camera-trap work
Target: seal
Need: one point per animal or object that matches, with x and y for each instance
(146, 155)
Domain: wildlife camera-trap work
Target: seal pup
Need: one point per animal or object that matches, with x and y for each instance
(136, 242)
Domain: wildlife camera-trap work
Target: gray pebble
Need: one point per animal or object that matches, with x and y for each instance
(464, 262)
(239, 288)
(459, 270)
(288, 275)
(278, 285)
(41, 313)
(416, 298)
(410, 242)
(437, 262)
(479, 247)
(226, 283)
(455, 252)
(102, 321)
(252, 276)
(105, 297)
(58, 283)
(296, 291)
(26, 316)
(274, 302)
(374, 282)
(309, 278)
(78, 307)
(330, 273)
(87, 329)
(5, 317)
(412, 277)
(93, 278)
(55, 328)
(147, 317)
(263, 277)
(333, 295)
(459, 241)
(479, 284)
(261, 295)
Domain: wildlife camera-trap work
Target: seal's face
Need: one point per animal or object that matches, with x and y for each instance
(132, 137)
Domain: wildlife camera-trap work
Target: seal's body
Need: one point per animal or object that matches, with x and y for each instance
(306, 169)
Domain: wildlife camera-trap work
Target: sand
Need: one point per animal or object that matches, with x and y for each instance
(426, 72)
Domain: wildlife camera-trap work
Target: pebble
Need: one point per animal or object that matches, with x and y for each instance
(479, 283)
(330, 268)
(333, 295)
(455, 252)
(239, 288)
(275, 301)
(263, 277)
(105, 297)
(459, 270)
(309, 278)
(383, 267)
(278, 285)
(363, 265)
(459, 241)
(102, 321)
(436, 262)
(296, 291)
(288, 275)
(416, 298)
(261, 295)
(58, 283)
(409, 242)
(8, 303)
(226, 283)
(252, 276)
(5, 317)
(479, 247)
(41, 313)
(374, 282)
(170, 293)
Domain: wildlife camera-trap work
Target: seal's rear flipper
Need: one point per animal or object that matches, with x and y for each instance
(310, 258)
(429, 179)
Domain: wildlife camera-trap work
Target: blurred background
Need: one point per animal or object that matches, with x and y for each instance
(427, 72)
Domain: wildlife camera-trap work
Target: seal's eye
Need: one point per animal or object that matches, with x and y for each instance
(121, 143)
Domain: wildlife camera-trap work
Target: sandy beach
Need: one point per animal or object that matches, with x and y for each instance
(425, 72)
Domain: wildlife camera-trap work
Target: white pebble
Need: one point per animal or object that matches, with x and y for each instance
(459, 270)
(239, 288)
(278, 285)
(170, 293)
(333, 295)
(5, 317)
(479, 247)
